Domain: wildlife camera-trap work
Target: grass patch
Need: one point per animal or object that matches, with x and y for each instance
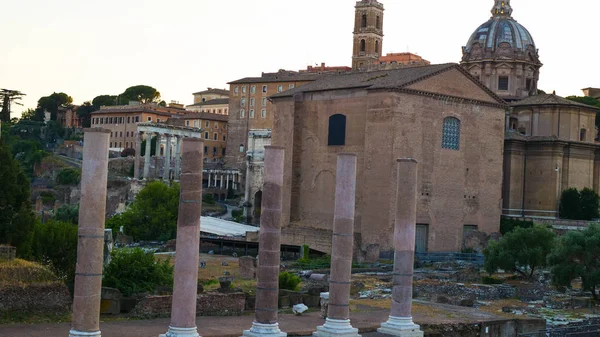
(21, 272)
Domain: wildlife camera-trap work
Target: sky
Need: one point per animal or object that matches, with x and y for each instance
(91, 48)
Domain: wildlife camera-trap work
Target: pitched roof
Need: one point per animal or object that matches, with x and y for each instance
(203, 115)
(213, 91)
(280, 76)
(382, 79)
(551, 99)
(218, 101)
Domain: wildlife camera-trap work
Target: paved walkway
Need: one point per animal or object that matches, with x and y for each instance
(207, 326)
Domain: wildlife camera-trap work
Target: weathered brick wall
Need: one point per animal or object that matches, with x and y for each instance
(213, 304)
(39, 298)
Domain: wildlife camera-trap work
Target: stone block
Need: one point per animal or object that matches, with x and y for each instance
(247, 267)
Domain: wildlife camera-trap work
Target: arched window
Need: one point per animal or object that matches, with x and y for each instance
(363, 45)
(451, 133)
(378, 23)
(582, 135)
(242, 148)
(377, 47)
(364, 21)
(337, 130)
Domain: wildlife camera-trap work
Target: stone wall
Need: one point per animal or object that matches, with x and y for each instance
(35, 299)
(213, 304)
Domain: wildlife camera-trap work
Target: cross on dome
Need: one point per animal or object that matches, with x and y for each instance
(502, 8)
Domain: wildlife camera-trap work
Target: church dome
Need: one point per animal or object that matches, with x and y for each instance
(501, 37)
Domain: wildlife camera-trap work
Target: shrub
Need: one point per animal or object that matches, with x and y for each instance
(507, 225)
(521, 251)
(47, 197)
(133, 271)
(491, 280)
(577, 254)
(129, 152)
(579, 205)
(289, 281)
(322, 262)
(68, 176)
(55, 245)
(208, 199)
(67, 213)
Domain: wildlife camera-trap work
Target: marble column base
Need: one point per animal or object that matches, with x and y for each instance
(75, 333)
(264, 330)
(181, 332)
(336, 328)
(400, 326)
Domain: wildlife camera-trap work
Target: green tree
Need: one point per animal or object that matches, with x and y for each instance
(104, 100)
(7, 98)
(590, 204)
(522, 251)
(141, 93)
(577, 254)
(16, 216)
(68, 176)
(53, 102)
(152, 215)
(570, 204)
(67, 213)
(33, 115)
(84, 112)
(133, 271)
(55, 244)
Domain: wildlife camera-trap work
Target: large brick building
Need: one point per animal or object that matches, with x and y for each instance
(122, 121)
(439, 115)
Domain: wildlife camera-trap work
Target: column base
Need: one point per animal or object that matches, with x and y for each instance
(181, 332)
(400, 326)
(264, 330)
(75, 333)
(336, 328)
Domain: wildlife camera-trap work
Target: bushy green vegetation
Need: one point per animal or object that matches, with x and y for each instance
(522, 251)
(238, 215)
(507, 225)
(68, 176)
(289, 281)
(322, 262)
(133, 271)
(579, 205)
(577, 254)
(152, 215)
(54, 244)
(67, 213)
(16, 215)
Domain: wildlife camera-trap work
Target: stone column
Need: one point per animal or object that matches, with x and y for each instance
(147, 154)
(138, 155)
(90, 243)
(209, 174)
(227, 182)
(267, 289)
(400, 322)
(338, 315)
(215, 182)
(183, 311)
(167, 166)
(157, 157)
(177, 157)
(222, 182)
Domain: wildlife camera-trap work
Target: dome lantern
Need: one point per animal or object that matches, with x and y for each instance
(502, 9)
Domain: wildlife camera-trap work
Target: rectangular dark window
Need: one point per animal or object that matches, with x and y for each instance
(337, 130)
(215, 151)
(528, 84)
(223, 151)
(206, 150)
(503, 83)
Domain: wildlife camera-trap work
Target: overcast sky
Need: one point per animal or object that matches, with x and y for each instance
(90, 48)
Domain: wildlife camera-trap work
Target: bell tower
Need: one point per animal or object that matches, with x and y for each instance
(368, 34)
